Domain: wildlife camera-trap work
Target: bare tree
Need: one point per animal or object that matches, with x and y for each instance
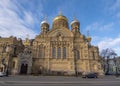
(106, 54)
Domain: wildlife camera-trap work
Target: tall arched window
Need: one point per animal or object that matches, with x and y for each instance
(53, 52)
(77, 54)
(59, 52)
(41, 51)
(64, 53)
(93, 54)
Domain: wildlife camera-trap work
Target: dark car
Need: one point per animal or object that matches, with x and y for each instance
(90, 75)
(117, 75)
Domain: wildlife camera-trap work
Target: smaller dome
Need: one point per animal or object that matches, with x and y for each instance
(44, 22)
(75, 21)
(89, 39)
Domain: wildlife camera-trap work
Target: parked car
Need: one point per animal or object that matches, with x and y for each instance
(117, 75)
(1, 74)
(90, 75)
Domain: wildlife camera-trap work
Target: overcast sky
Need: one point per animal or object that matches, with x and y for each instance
(100, 17)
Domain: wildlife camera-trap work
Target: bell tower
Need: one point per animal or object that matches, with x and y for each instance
(44, 26)
(75, 25)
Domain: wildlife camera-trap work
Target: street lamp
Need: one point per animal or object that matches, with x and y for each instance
(75, 61)
(115, 61)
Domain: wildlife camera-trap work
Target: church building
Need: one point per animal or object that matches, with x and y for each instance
(58, 50)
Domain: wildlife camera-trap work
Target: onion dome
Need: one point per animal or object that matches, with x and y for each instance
(44, 26)
(75, 21)
(60, 21)
(44, 22)
(60, 17)
(75, 25)
(89, 39)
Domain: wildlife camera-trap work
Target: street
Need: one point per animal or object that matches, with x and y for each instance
(58, 81)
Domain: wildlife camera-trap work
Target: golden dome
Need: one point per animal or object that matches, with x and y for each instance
(89, 38)
(60, 17)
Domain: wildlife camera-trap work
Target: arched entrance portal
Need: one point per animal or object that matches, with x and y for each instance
(24, 68)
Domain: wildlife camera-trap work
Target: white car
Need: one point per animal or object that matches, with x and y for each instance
(1, 74)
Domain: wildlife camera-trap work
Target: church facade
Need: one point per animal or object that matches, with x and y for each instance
(58, 50)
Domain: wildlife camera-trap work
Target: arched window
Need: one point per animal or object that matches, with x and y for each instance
(64, 53)
(41, 51)
(59, 52)
(93, 54)
(78, 54)
(53, 52)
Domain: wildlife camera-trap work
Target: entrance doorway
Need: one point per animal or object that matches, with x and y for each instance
(24, 68)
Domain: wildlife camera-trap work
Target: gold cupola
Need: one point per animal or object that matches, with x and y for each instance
(60, 17)
(60, 21)
(88, 37)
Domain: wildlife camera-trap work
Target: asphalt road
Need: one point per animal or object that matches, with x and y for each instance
(58, 81)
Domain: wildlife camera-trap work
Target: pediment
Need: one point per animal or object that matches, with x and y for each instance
(63, 32)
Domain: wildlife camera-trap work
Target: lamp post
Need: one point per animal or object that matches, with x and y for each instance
(75, 60)
(115, 61)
